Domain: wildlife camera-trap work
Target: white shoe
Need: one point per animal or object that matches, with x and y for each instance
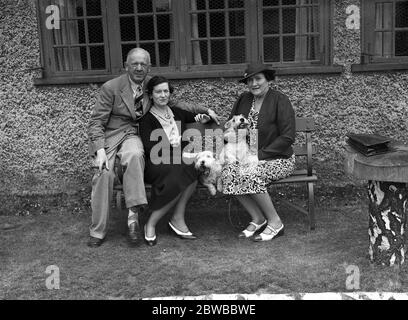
(247, 234)
(267, 237)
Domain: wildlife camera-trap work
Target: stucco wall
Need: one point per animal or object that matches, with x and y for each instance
(43, 141)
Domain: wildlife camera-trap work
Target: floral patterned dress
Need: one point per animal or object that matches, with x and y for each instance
(240, 179)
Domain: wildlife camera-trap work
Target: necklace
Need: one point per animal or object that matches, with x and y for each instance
(165, 115)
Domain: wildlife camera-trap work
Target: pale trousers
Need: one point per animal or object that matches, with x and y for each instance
(131, 155)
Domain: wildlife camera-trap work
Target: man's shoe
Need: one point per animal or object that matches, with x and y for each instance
(94, 242)
(134, 233)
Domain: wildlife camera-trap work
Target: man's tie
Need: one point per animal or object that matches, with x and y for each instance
(139, 102)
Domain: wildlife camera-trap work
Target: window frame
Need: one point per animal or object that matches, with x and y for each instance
(183, 68)
(367, 61)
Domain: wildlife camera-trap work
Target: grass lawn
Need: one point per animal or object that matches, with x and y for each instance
(218, 262)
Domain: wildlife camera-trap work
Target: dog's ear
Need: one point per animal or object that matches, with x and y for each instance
(227, 124)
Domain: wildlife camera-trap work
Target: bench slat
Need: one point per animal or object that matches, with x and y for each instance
(299, 178)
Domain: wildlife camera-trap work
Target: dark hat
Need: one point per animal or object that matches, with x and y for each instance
(254, 68)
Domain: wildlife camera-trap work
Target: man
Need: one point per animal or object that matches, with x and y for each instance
(113, 131)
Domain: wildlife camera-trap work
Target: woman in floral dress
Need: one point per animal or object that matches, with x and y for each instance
(272, 123)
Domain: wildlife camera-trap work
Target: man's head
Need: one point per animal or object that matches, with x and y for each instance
(137, 64)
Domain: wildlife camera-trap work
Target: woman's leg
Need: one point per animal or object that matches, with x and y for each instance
(179, 211)
(157, 215)
(253, 209)
(268, 209)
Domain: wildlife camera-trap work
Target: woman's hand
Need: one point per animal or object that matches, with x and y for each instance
(203, 118)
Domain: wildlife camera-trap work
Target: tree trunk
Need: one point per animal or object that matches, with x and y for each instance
(387, 208)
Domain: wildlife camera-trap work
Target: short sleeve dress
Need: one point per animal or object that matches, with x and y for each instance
(240, 179)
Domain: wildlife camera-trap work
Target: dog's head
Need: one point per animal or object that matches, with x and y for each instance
(204, 161)
(237, 122)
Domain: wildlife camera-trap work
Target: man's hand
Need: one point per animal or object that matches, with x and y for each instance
(101, 159)
(203, 118)
(213, 115)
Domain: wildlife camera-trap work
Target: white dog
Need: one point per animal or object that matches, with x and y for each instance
(209, 168)
(236, 147)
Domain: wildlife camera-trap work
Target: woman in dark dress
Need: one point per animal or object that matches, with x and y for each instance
(173, 181)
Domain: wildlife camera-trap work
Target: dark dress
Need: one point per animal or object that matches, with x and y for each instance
(167, 173)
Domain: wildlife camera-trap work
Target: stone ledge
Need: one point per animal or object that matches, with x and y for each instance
(295, 296)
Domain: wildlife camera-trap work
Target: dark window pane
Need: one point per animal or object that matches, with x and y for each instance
(271, 3)
(127, 29)
(202, 25)
(217, 25)
(271, 21)
(236, 3)
(401, 14)
(198, 4)
(125, 49)
(97, 57)
(151, 49)
(289, 47)
(289, 20)
(401, 43)
(271, 50)
(81, 30)
(74, 11)
(199, 53)
(95, 30)
(144, 6)
(162, 5)
(126, 6)
(288, 2)
(218, 52)
(198, 25)
(146, 28)
(93, 7)
(164, 27)
(237, 51)
(216, 4)
(84, 58)
(237, 23)
(166, 53)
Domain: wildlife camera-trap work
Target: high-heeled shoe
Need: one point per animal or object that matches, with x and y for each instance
(183, 235)
(273, 235)
(150, 241)
(247, 234)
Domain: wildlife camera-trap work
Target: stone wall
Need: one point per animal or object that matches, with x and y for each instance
(43, 140)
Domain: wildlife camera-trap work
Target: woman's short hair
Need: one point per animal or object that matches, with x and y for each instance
(156, 80)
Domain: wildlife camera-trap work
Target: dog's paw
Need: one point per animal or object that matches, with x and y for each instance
(212, 190)
(219, 185)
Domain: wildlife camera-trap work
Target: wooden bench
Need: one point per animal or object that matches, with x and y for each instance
(304, 126)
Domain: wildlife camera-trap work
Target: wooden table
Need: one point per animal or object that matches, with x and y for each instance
(387, 176)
